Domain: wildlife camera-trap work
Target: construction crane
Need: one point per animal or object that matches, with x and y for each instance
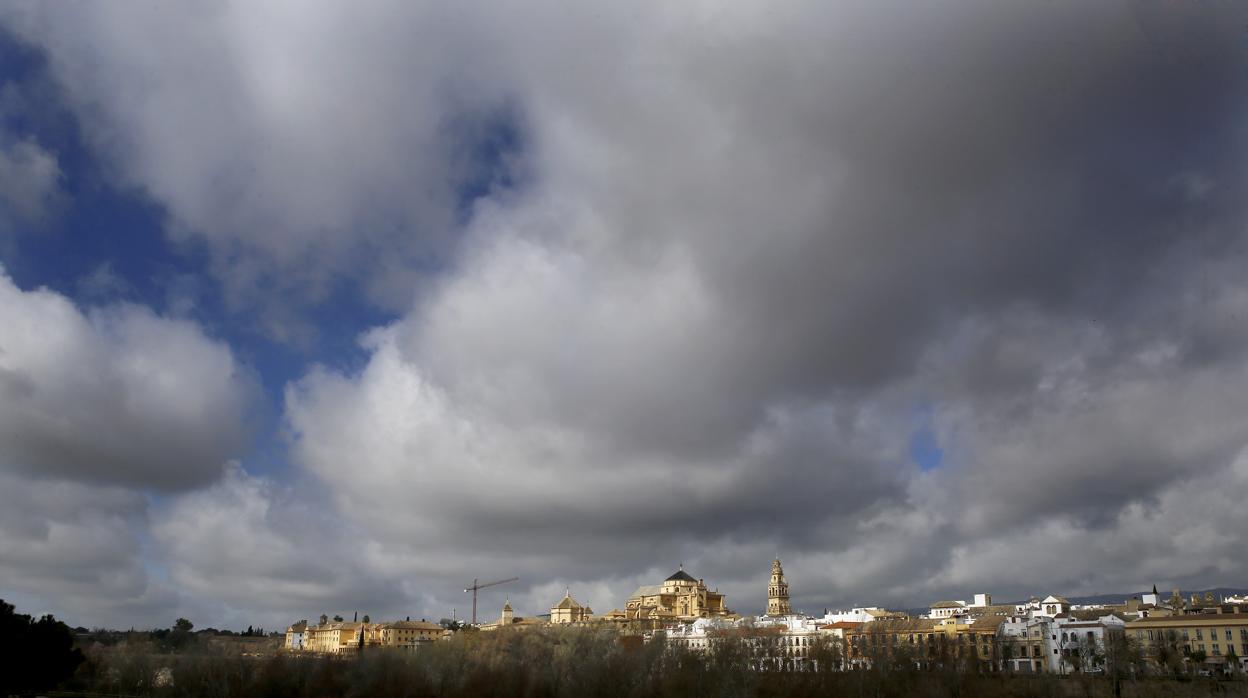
(476, 586)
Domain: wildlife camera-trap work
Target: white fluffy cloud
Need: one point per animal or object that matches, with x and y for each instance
(115, 395)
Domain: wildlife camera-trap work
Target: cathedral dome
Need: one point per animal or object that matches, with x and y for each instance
(681, 576)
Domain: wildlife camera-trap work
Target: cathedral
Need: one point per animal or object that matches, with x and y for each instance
(679, 598)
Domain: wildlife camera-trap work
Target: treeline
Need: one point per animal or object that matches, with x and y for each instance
(558, 662)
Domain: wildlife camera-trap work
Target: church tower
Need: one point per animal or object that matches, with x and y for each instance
(778, 592)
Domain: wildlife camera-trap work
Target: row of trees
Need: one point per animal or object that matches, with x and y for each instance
(561, 662)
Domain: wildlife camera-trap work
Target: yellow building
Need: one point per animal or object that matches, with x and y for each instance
(926, 642)
(1218, 636)
(402, 634)
(339, 637)
(569, 611)
(347, 637)
(679, 598)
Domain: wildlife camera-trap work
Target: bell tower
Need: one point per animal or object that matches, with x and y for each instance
(778, 592)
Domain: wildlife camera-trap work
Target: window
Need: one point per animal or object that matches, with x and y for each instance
(1185, 633)
(1217, 651)
(1199, 634)
(1228, 634)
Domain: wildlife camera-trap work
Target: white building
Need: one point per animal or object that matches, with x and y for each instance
(946, 609)
(1052, 606)
(864, 614)
(1059, 644)
(296, 635)
(951, 609)
(780, 643)
(1080, 644)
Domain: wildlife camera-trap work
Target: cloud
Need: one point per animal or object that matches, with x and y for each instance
(75, 550)
(115, 395)
(251, 551)
(299, 166)
(713, 318)
(30, 185)
(692, 306)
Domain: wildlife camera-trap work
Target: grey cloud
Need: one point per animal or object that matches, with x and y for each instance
(750, 244)
(952, 214)
(250, 548)
(73, 549)
(30, 185)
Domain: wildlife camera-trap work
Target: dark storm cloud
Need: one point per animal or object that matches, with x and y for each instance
(804, 236)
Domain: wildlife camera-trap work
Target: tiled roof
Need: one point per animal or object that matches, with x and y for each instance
(568, 602)
(414, 625)
(1191, 618)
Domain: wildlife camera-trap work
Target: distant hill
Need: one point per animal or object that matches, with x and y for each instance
(1218, 593)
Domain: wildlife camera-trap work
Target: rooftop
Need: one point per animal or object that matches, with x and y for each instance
(681, 576)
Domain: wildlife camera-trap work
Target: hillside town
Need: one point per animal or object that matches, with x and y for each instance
(1049, 635)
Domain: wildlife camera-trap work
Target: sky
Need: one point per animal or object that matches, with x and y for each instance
(317, 307)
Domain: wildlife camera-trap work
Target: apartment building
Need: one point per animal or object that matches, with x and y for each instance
(1215, 638)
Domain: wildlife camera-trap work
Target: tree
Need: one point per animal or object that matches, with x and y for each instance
(41, 653)
(177, 637)
(337, 618)
(1169, 657)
